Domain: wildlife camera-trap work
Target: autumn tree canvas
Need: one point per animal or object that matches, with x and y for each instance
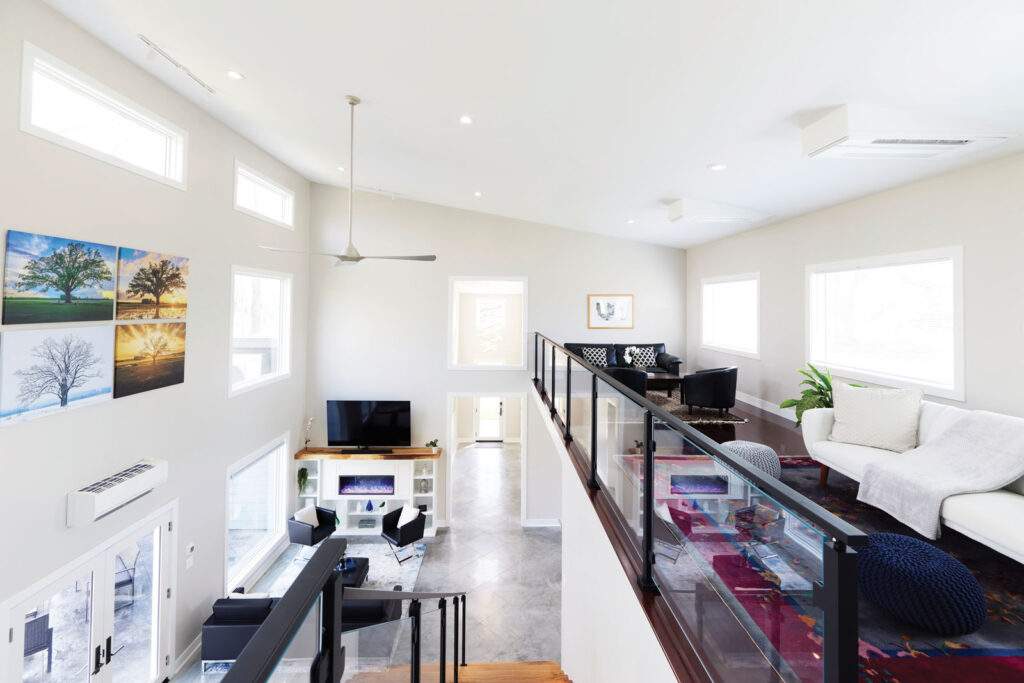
(53, 370)
(151, 286)
(55, 279)
(148, 356)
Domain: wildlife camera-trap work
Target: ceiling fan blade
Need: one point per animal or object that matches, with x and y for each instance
(297, 251)
(430, 257)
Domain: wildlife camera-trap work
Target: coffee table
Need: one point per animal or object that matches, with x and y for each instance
(354, 578)
(665, 380)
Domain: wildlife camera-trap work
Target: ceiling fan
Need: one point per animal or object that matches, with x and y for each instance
(351, 254)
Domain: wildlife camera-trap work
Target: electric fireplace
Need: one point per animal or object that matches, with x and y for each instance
(699, 484)
(366, 484)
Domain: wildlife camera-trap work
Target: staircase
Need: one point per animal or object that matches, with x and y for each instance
(482, 672)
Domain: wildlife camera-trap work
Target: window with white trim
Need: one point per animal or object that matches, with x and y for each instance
(256, 510)
(730, 314)
(259, 196)
(260, 327)
(488, 323)
(894, 320)
(63, 105)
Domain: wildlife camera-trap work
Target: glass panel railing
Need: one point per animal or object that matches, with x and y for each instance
(381, 648)
(304, 647)
(560, 375)
(620, 455)
(581, 407)
(737, 567)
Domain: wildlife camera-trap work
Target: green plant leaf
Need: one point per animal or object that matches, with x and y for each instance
(788, 403)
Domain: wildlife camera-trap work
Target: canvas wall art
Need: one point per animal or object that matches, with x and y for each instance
(610, 311)
(151, 286)
(56, 280)
(52, 370)
(148, 356)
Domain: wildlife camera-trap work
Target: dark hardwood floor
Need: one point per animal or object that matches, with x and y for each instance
(761, 427)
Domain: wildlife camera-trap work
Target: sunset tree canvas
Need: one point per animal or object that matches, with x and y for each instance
(55, 279)
(151, 286)
(148, 356)
(52, 370)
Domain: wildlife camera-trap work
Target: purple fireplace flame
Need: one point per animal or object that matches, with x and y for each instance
(356, 485)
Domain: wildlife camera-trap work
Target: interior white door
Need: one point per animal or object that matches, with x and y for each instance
(489, 419)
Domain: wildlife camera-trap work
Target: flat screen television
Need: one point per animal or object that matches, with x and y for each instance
(368, 423)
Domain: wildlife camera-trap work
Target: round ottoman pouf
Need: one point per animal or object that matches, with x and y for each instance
(920, 584)
(760, 456)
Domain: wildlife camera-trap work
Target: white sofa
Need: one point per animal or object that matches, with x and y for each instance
(993, 518)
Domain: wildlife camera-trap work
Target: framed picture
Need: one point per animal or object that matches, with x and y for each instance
(151, 286)
(610, 311)
(148, 356)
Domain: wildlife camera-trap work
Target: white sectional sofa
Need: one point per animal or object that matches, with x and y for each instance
(995, 518)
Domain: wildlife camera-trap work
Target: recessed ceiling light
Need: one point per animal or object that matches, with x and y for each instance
(630, 221)
(341, 168)
(716, 167)
(478, 193)
(465, 119)
(235, 76)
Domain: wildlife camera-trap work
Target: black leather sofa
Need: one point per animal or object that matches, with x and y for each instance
(361, 613)
(633, 378)
(233, 622)
(615, 356)
(713, 388)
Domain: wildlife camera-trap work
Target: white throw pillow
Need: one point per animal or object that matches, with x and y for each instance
(879, 418)
(409, 513)
(307, 515)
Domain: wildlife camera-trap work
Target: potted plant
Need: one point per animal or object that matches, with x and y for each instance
(433, 444)
(303, 479)
(818, 393)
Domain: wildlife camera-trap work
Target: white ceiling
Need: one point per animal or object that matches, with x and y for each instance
(586, 114)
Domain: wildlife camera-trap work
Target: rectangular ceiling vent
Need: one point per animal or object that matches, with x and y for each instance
(102, 497)
(857, 132)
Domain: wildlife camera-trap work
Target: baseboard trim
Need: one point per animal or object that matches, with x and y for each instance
(538, 523)
(788, 413)
(186, 657)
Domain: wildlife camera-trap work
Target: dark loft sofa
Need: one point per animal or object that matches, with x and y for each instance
(614, 356)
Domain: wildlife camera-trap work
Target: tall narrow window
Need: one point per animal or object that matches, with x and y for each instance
(893, 320)
(730, 314)
(256, 500)
(63, 105)
(259, 196)
(488, 323)
(260, 327)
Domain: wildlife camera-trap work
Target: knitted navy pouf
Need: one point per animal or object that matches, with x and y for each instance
(920, 584)
(760, 456)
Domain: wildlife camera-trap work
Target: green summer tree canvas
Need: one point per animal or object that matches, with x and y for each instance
(151, 286)
(56, 280)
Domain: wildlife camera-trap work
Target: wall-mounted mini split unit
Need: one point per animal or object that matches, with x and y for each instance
(102, 497)
(863, 132)
(700, 211)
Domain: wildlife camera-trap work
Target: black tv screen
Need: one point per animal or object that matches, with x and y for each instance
(368, 423)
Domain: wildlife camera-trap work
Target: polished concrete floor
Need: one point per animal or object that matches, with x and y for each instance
(512, 575)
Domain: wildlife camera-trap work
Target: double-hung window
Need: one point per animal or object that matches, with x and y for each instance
(63, 105)
(894, 320)
(730, 314)
(260, 327)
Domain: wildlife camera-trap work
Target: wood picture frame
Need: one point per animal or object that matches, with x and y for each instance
(610, 311)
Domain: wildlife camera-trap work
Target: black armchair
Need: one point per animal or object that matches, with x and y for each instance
(633, 378)
(356, 614)
(231, 626)
(306, 534)
(714, 388)
(401, 536)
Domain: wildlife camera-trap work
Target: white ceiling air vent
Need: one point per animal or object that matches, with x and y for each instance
(700, 211)
(100, 498)
(860, 132)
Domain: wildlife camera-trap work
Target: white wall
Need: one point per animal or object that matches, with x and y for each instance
(981, 208)
(542, 470)
(48, 189)
(379, 329)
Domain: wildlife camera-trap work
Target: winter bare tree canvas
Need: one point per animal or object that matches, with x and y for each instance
(53, 370)
(54, 279)
(151, 286)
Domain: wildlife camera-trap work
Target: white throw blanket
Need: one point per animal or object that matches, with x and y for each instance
(980, 452)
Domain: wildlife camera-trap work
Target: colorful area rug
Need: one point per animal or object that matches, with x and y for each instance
(699, 415)
(896, 652)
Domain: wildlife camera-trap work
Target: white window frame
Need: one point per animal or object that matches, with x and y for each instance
(742, 277)
(286, 331)
(956, 254)
(289, 194)
(110, 98)
(453, 320)
(251, 569)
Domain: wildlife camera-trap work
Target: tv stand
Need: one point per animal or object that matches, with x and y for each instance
(367, 449)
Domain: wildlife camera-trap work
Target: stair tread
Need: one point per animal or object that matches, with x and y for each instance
(475, 672)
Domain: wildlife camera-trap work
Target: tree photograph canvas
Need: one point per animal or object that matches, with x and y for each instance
(56, 280)
(151, 286)
(52, 370)
(148, 356)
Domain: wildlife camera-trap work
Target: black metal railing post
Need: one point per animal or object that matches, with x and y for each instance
(554, 392)
(837, 598)
(592, 482)
(646, 578)
(543, 367)
(568, 398)
(465, 639)
(442, 606)
(414, 653)
(455, 638)
(536, 342)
